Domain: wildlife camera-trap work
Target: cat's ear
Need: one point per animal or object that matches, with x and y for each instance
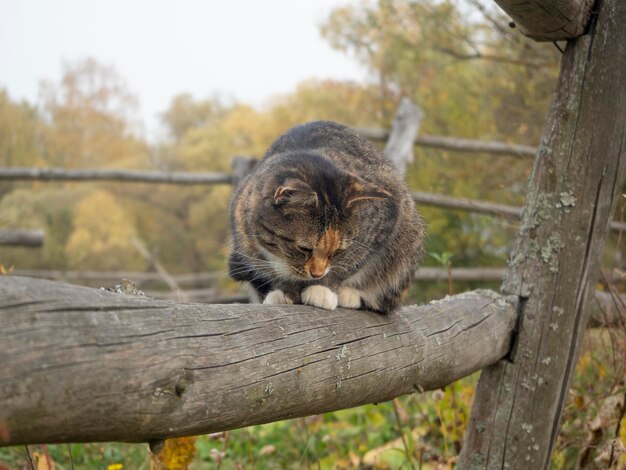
(361, 190)
(294, 191)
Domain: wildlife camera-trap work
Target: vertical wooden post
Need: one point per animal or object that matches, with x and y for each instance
(241, 167)
(578, 173)
(406, 124)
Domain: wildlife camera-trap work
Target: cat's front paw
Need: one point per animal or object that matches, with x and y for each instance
(277, 297)
(320, 296)
(348, 297)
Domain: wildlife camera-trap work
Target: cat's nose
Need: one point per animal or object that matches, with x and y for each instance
(318, 269)
(317, 266)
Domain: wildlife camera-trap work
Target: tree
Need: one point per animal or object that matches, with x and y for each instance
(90, 119)
(20, 133)
(102, 235)
(186, 113)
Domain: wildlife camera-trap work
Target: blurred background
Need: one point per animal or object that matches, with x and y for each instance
(186, 86)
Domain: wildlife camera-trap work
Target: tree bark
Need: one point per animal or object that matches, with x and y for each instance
(21, 237)
(86, 365)
(549, 20)
(576, 180)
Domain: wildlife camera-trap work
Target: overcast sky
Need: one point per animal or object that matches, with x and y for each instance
(246, 49)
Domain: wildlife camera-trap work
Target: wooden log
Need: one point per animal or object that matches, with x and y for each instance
(210, 296)
(576, 181)
(607, 311)
(85, 365)
(456, 144)
(21, 237)
(399, 147)
(549, 20)
(119, 176)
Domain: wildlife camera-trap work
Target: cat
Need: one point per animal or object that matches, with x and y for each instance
(325, 220)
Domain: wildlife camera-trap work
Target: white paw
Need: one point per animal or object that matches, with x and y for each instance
(348, 297)
(320, 296)
(277, 297)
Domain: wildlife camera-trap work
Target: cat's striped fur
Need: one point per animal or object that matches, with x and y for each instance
(325, 219)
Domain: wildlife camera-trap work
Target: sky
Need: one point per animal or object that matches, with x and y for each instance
(243, 49)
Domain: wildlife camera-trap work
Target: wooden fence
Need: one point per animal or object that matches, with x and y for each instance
(112, 367)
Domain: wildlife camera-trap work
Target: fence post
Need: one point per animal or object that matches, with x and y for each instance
(241, 167)
(406, 124)
(577, 176)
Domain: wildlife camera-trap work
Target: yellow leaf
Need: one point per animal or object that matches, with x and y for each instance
(579, 401)
(177, 454)
(584, 362)
(43, 462)
(4, 270)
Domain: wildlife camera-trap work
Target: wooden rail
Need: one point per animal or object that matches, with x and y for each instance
(549, 20)
(60, 174)
(456, 144)
(121, 176)
(86, 365)
(21, 237)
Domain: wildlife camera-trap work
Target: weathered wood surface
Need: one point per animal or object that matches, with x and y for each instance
(549, 20)
(405, 127)
(456, 144)
(121, 176)
(578, 174)
(82, 364)
(21, 237)
(606, 310)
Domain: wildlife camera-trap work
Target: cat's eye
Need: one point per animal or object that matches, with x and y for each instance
(304, 249)
(269, 244)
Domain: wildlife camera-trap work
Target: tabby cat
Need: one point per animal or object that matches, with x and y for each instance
(325, 220)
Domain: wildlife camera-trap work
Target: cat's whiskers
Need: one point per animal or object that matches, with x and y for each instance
(352, 262)
(275, 266)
